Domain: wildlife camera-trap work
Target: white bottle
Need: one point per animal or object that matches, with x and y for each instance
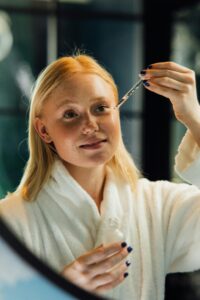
(112, 232)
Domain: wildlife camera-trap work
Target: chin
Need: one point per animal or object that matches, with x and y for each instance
(99, 159)
(94, 163)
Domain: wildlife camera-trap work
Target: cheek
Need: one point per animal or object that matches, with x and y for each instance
(60, 130)
(112, 126)
(65, 144)
(63, 135)
(115, 123)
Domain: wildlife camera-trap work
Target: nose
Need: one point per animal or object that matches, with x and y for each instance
(90, 125)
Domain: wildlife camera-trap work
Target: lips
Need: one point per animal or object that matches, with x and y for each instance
(93, 143)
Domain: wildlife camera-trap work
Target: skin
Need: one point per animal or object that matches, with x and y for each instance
(94, 271)
(99, 270)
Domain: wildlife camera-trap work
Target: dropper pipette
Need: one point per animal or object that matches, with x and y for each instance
(129, 93)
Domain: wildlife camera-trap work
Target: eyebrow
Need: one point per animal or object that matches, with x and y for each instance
(63, 102)
(68, 101)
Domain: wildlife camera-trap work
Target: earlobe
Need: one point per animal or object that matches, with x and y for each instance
(41, 130)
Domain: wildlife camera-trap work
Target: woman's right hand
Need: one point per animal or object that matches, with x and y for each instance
(100, 269)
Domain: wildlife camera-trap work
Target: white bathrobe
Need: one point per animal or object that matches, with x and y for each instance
(161, 221)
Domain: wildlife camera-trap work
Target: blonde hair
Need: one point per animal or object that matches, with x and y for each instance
(41, 156)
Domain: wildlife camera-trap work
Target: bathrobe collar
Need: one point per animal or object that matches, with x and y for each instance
(107, 224)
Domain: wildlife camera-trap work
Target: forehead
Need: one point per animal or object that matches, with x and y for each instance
(84, 86)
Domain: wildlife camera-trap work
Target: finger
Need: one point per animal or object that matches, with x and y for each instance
(109, 277)
(109, 286)
(169, 83)
(169, 65)
(161, 90)
(109, 263)
(98, 247)
(154, 73)
(99, 254)
(110, 280)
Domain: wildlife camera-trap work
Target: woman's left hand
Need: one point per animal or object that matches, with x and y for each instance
(178, 84)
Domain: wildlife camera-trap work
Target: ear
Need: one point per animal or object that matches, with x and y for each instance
(42, 131)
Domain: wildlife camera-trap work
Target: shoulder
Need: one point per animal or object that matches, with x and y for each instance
(145, 183)
(14, 211)
(12, 205)
(166, 190)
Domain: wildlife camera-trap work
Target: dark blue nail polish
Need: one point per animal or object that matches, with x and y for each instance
(123, 245)
(146, 83)
(149, 67)
(128, 263)
(129, 249)
(125, 275)
(143, 72)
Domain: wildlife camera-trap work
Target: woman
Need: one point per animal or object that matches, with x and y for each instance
(81, 206)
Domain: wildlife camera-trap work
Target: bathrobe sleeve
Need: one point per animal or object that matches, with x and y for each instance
(187, 160)
(183, 221)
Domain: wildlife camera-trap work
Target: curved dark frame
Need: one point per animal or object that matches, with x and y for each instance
(18, 247)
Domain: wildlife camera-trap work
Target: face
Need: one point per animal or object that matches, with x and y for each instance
(80, 121)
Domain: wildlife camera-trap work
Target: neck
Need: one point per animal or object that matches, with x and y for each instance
(91, 180)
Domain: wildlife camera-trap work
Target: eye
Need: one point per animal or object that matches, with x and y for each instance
(70, 114)
(101, 108)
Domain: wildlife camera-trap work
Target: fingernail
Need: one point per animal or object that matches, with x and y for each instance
(123, 245)
(143, 72)
(129, 249)
(125, 275)
(146, 83)
(128, 263)
(149, 67)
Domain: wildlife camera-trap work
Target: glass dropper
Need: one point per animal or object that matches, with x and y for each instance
(128, 94)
